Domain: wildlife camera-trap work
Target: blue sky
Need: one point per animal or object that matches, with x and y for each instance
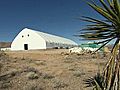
(53, 16)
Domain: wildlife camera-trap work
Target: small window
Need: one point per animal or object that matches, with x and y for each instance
(22, 36)
(28, 35)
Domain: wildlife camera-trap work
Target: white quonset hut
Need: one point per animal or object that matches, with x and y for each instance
(29, 39)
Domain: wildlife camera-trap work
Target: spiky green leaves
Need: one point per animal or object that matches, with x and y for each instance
(107, 29)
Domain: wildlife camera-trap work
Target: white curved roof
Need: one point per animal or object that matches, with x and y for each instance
(54, 39)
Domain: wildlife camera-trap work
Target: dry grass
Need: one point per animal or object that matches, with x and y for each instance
(47, 70)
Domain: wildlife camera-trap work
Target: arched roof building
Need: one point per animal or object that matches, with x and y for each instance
(29, 39)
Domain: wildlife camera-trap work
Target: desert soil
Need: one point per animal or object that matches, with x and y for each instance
(48, 70)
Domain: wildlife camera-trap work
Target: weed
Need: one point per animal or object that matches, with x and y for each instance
(60, 84)
(47, 76)
(30, 69)
(32, 75)
(78, 74)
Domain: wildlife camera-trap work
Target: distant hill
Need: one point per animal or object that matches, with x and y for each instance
(5, 44)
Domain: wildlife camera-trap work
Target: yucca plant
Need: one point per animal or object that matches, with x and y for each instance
(105, 31)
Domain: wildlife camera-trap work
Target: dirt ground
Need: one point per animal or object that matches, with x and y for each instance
(48, 70)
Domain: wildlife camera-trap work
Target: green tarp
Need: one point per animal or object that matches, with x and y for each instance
(91, 45)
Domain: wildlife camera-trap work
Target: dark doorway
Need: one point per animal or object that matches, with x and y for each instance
(25, 46)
